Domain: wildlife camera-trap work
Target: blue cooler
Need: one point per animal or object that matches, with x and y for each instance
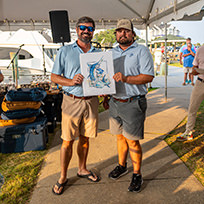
(24, 137)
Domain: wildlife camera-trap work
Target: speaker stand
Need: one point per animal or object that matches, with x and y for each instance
(62, 40)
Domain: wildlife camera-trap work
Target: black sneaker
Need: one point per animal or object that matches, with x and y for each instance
(136, 183)
(118, 172)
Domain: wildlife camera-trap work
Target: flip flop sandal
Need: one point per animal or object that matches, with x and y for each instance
(59, 185)
(87, 176)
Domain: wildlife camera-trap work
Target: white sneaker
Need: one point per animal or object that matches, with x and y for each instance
(185, 136)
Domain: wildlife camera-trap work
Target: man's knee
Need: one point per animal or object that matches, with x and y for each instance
(67, 144)
(83, 140)
(134, 146)
(133, 143)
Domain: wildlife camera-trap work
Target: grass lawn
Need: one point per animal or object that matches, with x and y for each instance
(100, 108)
(176, 64)
(191, 152)
(20, 172)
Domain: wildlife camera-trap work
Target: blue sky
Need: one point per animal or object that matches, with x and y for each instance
(192, 29)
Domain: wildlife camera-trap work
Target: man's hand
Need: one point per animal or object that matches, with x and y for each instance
(77, 79)
(105, 102)
(194, 72)
(119, 77)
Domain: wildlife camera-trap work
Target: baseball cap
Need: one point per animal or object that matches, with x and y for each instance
(124, 23)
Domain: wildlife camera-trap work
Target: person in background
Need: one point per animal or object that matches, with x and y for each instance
(157, 60)
(1, 76)
(134, 68)
(79, 113)
(197, 96)
(184, 47)
(188, 57)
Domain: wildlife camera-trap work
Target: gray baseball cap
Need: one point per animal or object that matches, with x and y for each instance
(124, 23)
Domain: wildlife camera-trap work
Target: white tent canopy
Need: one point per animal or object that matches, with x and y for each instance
(104, 12)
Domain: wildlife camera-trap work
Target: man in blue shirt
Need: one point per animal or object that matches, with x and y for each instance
(188, 55)
(79, 113)
(134, 68)
(184, 47)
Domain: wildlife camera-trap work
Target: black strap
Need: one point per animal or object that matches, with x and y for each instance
(200, 79)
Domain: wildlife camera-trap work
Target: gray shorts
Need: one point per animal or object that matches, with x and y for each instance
(128, 118)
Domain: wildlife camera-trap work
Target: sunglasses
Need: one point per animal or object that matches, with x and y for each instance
(89, 28)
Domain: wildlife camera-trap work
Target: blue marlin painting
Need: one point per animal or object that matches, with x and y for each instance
(97, 76)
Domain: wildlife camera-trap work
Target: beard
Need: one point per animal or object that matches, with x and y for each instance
(125, 41)
(85, 37)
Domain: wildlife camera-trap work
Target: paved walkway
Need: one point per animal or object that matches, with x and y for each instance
(166, 178)
(174, 79)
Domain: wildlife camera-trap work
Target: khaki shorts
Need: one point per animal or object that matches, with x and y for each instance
(79, 117)
(187, 69)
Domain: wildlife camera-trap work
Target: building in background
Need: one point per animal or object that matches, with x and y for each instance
(159, 31)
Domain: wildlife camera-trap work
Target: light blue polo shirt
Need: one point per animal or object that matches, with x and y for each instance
(67, 63)
(133, 61)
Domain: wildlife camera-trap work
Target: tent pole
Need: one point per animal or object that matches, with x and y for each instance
(146, 27)
(146, 39)
(165, 62)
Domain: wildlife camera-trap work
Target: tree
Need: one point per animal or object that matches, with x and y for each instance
(105, 37)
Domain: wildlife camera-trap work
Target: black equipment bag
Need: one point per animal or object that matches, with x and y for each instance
(26, 94)
(52, 109)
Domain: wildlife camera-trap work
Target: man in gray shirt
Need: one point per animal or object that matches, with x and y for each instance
(134, 68)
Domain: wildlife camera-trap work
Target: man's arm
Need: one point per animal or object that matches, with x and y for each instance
(185, 55)
(139, 79)
(58, 79)
(192, 53)
(180, 58)
(1, 77)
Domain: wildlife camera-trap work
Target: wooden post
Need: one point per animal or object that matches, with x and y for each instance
(15, 68)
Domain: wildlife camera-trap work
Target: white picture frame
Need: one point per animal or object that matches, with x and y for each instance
(97, 69)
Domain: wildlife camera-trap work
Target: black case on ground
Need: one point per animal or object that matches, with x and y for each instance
(52, 110)
(24, 137)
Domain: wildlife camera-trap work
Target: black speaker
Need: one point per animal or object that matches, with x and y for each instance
(60, 26)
